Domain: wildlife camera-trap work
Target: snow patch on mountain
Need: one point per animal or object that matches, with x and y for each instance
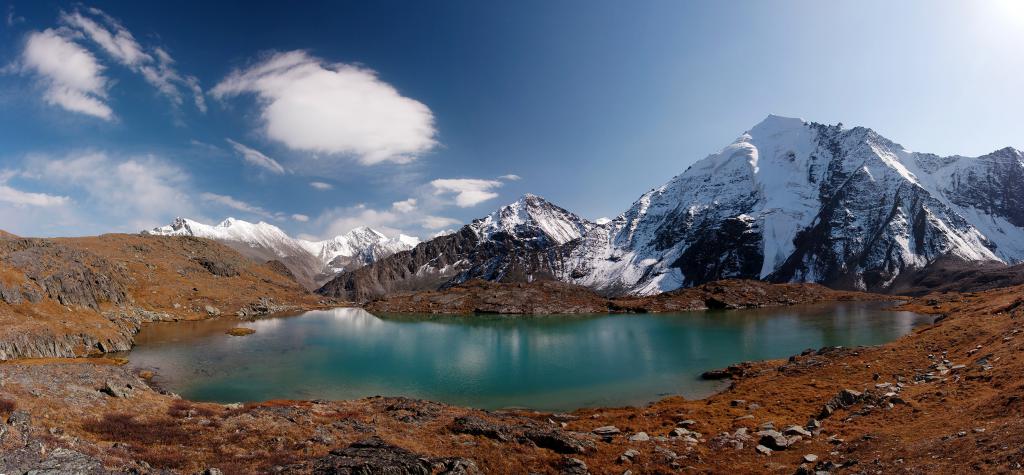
(319, 260)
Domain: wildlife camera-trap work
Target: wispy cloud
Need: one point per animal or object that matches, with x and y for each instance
(311, 105)
(13, 19)
(155, 64)
(319, 185)
(118, 193)
(257, 158)
(468, 191)
(17, 197)
(510, 177)
(239, 205)
(437, 222)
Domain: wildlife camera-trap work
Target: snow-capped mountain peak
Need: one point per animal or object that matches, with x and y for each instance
(313, 262)
(532, 215)
(792, 200)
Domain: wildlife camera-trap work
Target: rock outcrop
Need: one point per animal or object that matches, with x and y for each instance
(548, 297)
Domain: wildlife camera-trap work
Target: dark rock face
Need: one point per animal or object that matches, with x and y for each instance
(996, 187)
(427, 266)
(957, 275)
(731, 250)
(216, 267)
(525, 241)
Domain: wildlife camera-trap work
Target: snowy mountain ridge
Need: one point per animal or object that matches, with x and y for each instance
(796, 201)
(787, 201)
(314, 262)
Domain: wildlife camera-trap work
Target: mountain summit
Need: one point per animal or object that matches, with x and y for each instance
(312, 262)
(796, 201)
(787, 201)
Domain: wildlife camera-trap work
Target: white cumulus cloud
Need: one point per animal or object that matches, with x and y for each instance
(71, 76)
(311, 105)
(468, 191)
(257, 158)
(405, 206)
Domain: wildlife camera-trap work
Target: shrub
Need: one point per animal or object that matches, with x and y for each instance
(124, 428)
(7, 407)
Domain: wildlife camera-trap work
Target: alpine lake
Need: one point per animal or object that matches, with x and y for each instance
(547, 362)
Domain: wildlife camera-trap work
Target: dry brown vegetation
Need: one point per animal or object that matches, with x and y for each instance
(6, 408)
(78, 296)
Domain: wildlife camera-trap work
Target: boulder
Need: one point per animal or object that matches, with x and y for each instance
(639, 437)
(558, 441)
(773, 439)
(476, 426)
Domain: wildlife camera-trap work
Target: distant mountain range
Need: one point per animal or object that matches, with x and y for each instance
(788, 201)
(312, 262)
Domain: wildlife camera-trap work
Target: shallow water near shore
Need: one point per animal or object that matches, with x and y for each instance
(554, 362)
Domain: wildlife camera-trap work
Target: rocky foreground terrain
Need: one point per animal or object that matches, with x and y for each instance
(71, 297)
(944, 399)
(550, 297)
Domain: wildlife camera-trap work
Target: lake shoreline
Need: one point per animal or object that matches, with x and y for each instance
(784, 392)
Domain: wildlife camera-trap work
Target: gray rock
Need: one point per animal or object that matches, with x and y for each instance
(773, 439)
(116, 390)
(559, 441)
(476, 426)
(810, 458)
(211, 310)
(62, 461)
(639, 437)
(796, 430)
(606, 430)
(573, 466)
(629, 455)
(763, 450)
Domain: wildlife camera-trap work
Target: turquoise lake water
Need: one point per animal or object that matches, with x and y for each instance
(540, 362)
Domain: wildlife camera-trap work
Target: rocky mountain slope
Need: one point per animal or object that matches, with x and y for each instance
(797, 201)
(549, 297)
(788, 201)
(520, 242)
(78, 296)
(312, 262)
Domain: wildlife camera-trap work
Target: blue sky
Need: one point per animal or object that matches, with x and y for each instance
(418, 116)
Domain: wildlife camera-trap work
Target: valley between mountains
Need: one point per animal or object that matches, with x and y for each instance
(790, 213)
